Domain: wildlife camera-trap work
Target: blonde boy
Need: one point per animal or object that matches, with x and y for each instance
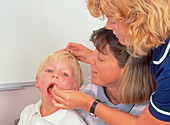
(59, 68)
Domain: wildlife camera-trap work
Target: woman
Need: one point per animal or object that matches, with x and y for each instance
(112, 71)
(141, 25)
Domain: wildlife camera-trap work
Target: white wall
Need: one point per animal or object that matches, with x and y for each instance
(13, 102)
(31, 29)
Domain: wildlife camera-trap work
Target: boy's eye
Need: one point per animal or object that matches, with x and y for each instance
(48, 70)
(65, 74)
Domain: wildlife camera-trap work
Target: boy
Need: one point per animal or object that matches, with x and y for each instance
(59, 68)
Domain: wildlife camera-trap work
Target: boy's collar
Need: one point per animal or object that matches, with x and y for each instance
(54, 118)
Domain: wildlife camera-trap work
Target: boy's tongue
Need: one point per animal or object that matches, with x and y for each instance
(49, 89)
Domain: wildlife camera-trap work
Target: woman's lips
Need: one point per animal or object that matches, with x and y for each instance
(93, 72)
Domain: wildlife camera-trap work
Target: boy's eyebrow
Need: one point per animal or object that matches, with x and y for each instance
(49, 66)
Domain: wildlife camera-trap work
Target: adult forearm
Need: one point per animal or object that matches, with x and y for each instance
(114, 117)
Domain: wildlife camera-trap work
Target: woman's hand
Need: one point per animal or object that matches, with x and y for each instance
(70, 99)
(79, 51)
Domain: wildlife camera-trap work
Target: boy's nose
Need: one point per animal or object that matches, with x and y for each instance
(55, 76)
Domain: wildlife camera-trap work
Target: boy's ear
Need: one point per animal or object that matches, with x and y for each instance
(77, 88)
(37, 83)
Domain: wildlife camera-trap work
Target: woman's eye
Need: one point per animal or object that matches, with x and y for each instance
(112, 22)
(65, 74)
(100, 59)
(48, 70)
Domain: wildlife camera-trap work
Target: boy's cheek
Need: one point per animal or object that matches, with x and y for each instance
(65, 87)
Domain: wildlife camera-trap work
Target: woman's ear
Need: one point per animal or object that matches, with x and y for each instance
(124, 71)
(37, 83)
(77, 88)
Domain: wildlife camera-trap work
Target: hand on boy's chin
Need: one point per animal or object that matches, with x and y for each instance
(54, 94)
(54, 90)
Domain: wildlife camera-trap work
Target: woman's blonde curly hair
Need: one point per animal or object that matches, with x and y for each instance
(147, 21)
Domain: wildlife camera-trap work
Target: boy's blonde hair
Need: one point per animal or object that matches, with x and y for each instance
(147, 21)
(66, 56)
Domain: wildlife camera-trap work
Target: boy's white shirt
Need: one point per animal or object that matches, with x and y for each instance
(31, 116)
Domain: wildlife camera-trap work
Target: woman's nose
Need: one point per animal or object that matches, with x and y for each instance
(108, 25)
(90, 59)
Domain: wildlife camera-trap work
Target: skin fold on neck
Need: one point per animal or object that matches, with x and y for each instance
(112, 94)
(47, 110)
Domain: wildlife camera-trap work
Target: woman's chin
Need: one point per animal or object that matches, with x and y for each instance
(122, 42)
(94, 81)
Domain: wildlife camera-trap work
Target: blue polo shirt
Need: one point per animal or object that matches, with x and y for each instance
(159, 105)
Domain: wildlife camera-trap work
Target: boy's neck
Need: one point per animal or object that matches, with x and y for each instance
(46, 109)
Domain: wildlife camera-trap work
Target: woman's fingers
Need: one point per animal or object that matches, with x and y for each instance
(69, 99)
(56, 91)
(58, 105)
(73, 46)
(77, 53)
(61, 98)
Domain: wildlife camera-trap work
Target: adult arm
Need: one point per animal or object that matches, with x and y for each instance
(115, 117)
(147, 119)
(68, 99)
(79, 51)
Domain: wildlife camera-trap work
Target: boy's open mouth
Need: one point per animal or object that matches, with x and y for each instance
(50, 87)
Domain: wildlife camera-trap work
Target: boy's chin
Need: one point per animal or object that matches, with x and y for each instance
(49, 102)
